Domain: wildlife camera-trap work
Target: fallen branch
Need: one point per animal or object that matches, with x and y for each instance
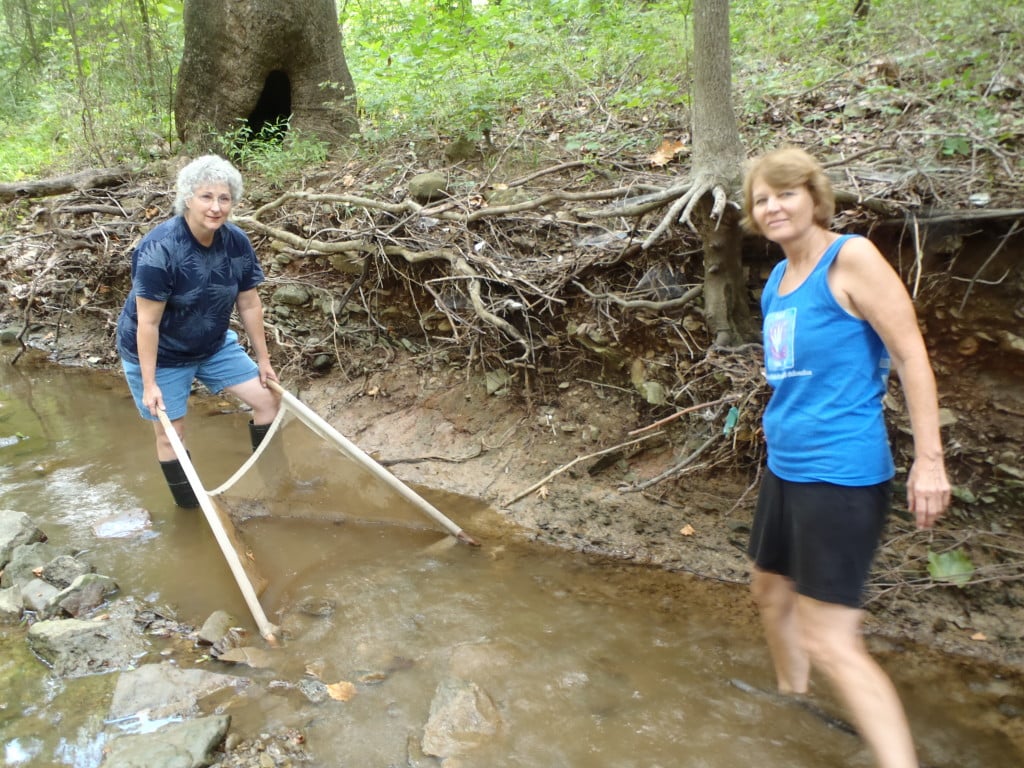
(656, 306)
(673, 470)
(61, 185)
(565, 467)
(683, 412)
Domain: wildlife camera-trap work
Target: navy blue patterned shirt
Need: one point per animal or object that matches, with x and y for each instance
(198, 284)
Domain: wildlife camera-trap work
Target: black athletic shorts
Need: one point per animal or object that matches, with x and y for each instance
(822, 536)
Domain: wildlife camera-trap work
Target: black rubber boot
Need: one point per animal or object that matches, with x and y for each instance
(257, 432)
(178, 482)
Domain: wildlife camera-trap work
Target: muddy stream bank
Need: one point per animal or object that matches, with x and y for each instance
(584, 654)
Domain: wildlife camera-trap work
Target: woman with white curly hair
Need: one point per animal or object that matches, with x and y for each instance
(188, 274)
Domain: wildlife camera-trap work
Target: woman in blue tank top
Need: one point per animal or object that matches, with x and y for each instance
(837, 317)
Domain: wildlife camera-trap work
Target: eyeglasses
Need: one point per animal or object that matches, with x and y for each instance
(208, 198)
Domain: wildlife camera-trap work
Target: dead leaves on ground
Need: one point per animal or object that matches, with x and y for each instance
(666, 152)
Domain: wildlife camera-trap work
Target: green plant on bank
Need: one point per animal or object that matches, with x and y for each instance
(275, 151)
(954, 567)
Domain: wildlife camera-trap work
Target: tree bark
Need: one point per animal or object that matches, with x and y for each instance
(264, 61)
(718, 159)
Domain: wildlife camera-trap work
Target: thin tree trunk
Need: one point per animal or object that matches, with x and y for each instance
(81, 81)
(718, 158)
(151, 93)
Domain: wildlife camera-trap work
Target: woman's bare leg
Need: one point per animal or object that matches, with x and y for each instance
(832, 637)
(777, 602)
(263, 401)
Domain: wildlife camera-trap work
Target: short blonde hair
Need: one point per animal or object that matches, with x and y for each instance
(787, 168)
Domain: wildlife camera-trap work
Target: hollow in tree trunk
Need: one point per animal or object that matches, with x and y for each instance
(256, 62)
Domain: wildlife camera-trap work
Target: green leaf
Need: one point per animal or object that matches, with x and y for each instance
(953, 566)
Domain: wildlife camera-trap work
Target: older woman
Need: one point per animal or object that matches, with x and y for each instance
(188, 274)
(836, 318)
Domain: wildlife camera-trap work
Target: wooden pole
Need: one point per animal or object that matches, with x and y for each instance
(320, 426)
(267, 630)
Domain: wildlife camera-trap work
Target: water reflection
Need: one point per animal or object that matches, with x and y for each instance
(586, 663)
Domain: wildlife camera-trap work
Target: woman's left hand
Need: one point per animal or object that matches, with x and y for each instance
(267, 372)
(928, 491)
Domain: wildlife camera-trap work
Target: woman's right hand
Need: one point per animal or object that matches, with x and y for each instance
(153, 398)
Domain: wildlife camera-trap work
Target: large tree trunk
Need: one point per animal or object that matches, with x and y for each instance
(261, 61)
(718, 159)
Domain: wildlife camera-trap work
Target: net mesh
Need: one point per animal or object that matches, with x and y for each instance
(304, 470)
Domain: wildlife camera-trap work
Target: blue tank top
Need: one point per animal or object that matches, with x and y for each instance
(825, 420)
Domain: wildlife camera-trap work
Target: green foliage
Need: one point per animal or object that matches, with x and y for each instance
(276, 152)
(91, 83)
(85, 83)
(954, 567)
(943, 65)
(418, 71)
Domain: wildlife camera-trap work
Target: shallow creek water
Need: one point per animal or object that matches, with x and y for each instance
(588, 663)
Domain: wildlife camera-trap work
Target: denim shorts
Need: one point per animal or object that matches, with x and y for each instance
(226, 367)
(820, 535)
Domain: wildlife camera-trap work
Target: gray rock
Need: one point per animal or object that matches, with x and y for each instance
(292, 294)
(75, 648)
(189, 744)
(127, 523)
(85, 593)
(216, 627)
(37, 594)
(429, 186)
(12, 606)
(462, 718)
(63, 570)
(322, 363)
(26, 559)
(164, 690)
(16, 528)
(347, 263)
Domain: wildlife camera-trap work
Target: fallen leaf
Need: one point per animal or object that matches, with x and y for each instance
(979, 636)
(687, 530)
(664, 154)
(543, 491)
(341, 691)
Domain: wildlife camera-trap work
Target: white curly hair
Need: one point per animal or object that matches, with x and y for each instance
(208, 169)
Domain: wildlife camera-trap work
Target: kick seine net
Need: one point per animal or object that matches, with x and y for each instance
(303, 469)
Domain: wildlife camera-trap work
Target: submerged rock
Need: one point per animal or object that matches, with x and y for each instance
(164, 690)
(462, 718)
(123, 524)
(188, 744)
(74, 647)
